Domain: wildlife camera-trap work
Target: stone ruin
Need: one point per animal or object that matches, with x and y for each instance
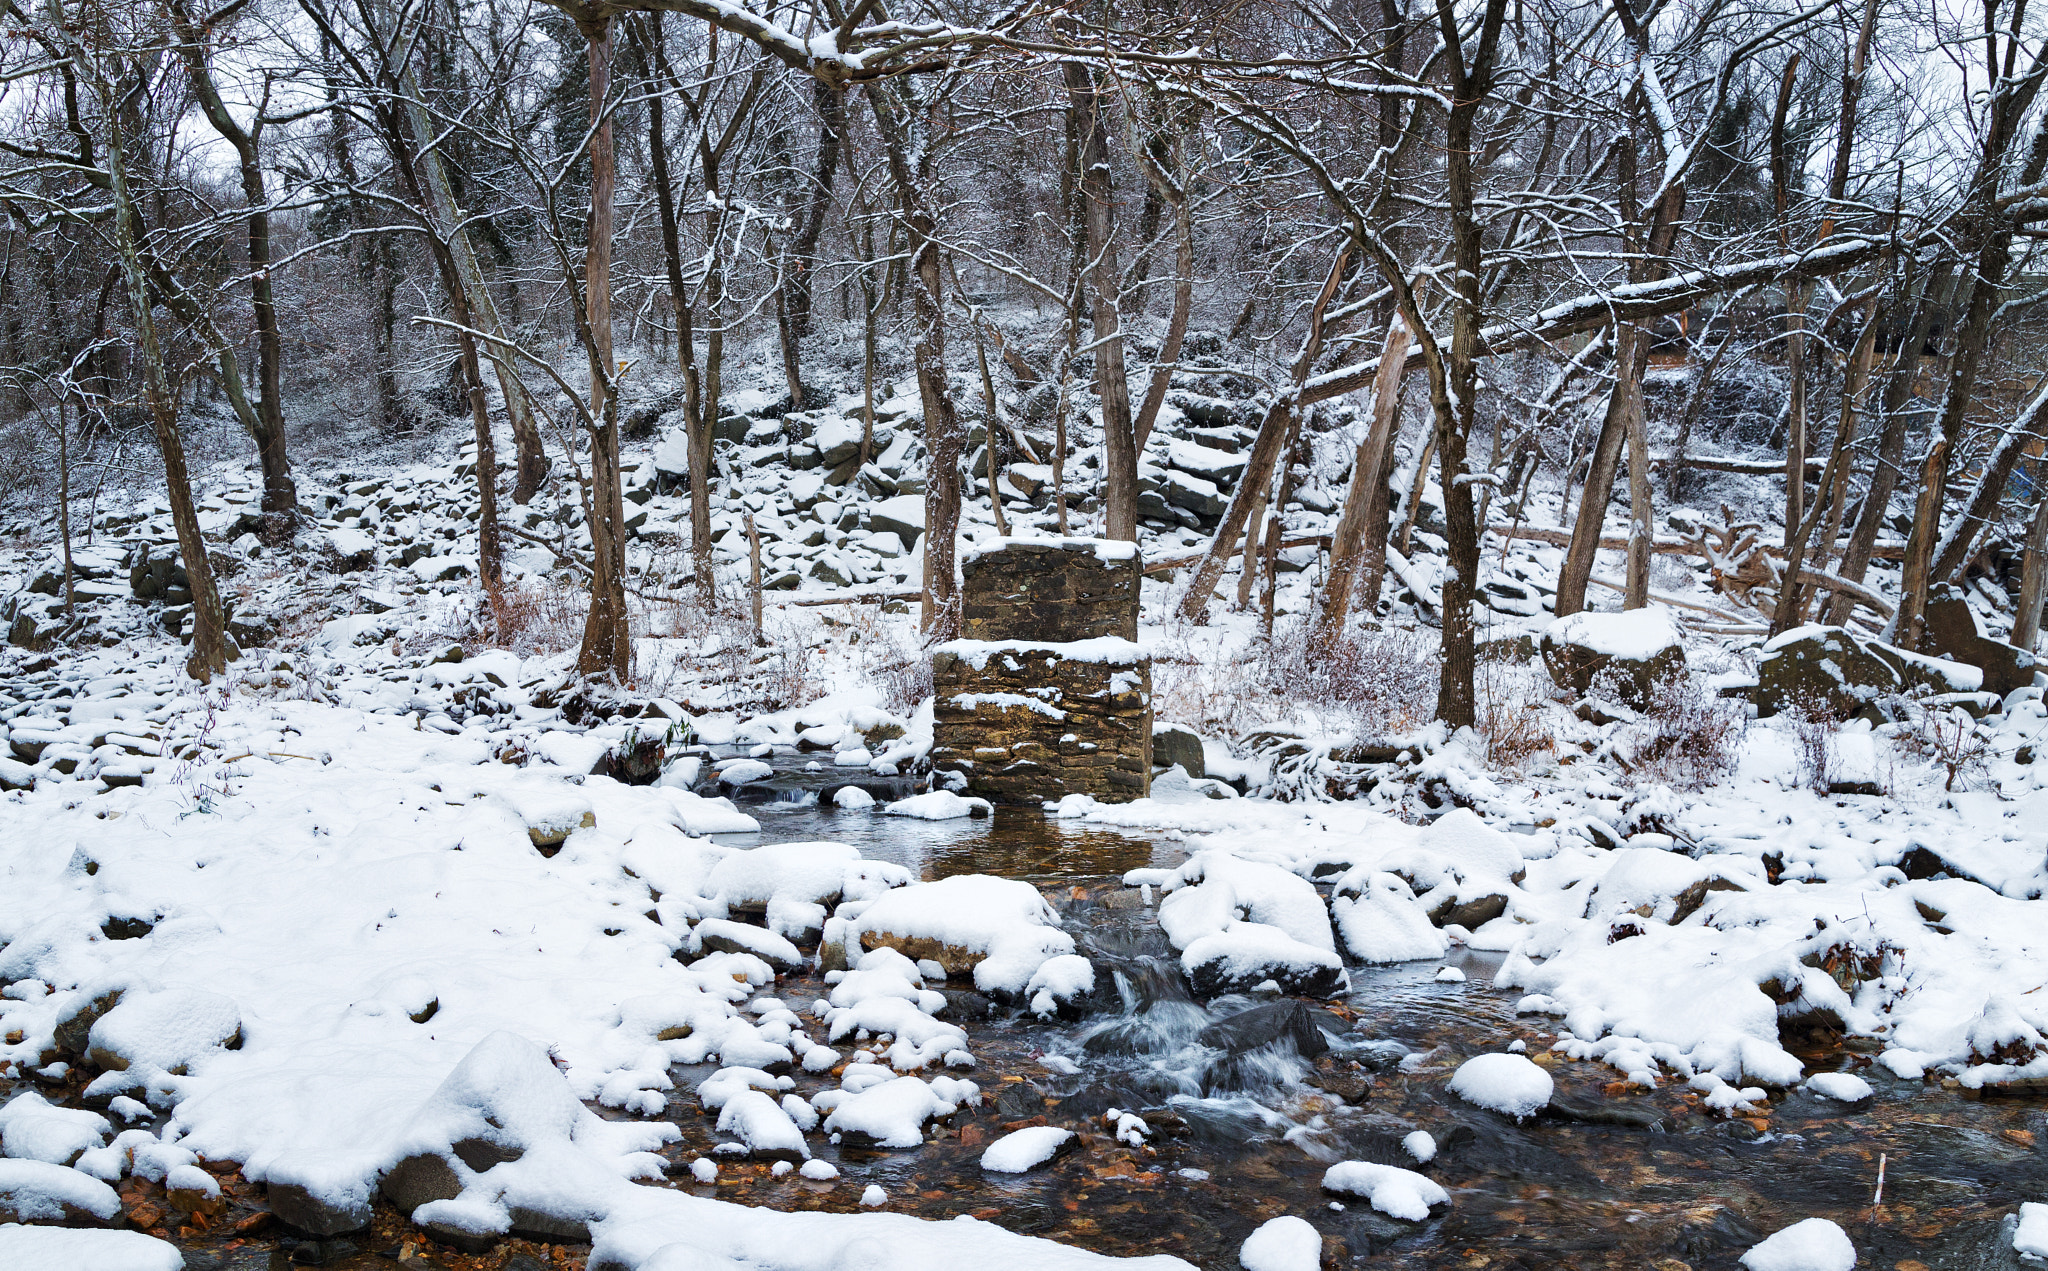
(1047, 692)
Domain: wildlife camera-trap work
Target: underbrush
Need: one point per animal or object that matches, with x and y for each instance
(1372, 684)
(1687, 737)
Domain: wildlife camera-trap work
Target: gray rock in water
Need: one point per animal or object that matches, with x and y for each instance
(1270, 1025)
(302, 1211)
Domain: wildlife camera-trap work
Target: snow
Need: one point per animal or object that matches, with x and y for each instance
(892, 1113)
(1286, 1243)
(38, 1191)
(34, 1129)
(761, 1123)
(1421, 1145)
(852, 798)
(1510, 1084)
(1106, 650)
(742, 771)
(1812, 1244)
(938, 805)
(2030, 1237)
(1378, 917)
(972, 913)
(1396, 1192)
(1841, 1086)
(166, 1031)
(873, 1197)
(1022, 1150)
(71, 1249)
(1633, 635)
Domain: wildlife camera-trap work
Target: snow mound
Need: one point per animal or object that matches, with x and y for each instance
(39, 1191)
(1510, 1084)
(168, 1031)
(1396, 1192)
(1380, 920)
(34, 1129)
(762, 1125)
(1421, 1145)
(892, 1114)
(71, 1249)
(963, 920)
(1841, 1086)
(1026, 1149)
(852, 799)
(743, 771)
(938, 805)
(2030, 1237)
(1285, 1243)
(1814, 1244)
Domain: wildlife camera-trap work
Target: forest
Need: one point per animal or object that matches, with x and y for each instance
(1532, 686)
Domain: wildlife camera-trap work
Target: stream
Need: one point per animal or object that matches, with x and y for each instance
(1610, 1177)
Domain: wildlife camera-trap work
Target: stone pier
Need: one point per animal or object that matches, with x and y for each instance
(1047, 693)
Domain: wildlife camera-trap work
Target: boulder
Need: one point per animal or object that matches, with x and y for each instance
(1273, 1024)
(1845, 674)
(1178, 744)
(902, 516)
(1620, 655)
(304, 1212)
(1952, 630)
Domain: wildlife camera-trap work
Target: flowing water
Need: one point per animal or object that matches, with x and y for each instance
(1611, 1177)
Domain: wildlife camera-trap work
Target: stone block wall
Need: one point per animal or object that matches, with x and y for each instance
(1051, 590)
(1048, 693)
(1026, 722)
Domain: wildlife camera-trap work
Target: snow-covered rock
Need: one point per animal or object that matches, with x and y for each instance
(1023, 1150)
(71, 1249)
(1812, 1244)
(1286, 1243)
(1396, 1192)
(1512, 1085)
(34, 1129)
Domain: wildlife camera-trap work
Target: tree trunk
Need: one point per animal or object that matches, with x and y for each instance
(212, 647)
(1119, 441)
(1631, 359)
(1346, 544)
(942, 432)
(830, 104)
(2026, 623)
(280, 493)
(1891, 446)
(1994, 257)
(607, 638)
(1832, 484)
(679, 304)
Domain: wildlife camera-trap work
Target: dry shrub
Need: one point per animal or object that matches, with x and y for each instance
(1687, 737)
(534, 618)
(780, 672)
(1379, 682)
(1814, 723)
(1511, 696)
(1945, 736)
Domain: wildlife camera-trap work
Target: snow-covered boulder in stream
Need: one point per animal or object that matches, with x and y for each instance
(1616, 655)
(1381, 921)
(1240, 923)
(999, 929)
(479, 1157)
